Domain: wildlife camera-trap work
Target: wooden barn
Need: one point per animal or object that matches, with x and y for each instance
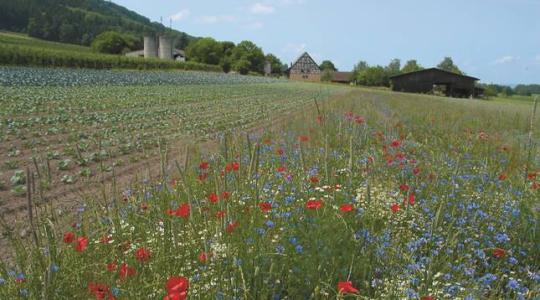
(305, 69)
(435, 80)
(342, 77)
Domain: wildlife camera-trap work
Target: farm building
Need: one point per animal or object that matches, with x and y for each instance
(305, 69)
(433, 79)
(162, 48)
(342, 77)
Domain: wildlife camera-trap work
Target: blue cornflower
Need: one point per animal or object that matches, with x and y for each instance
(280, 249)
(512, 260)
(512, 284)
(502, 238)
(23, 292)
(269, 223)
(293, 240)
(299, 249)
(2, 281)
(260, 231)
(487, 279)
(447, 276)
(411, 294)
(115, 291)
(54, 268)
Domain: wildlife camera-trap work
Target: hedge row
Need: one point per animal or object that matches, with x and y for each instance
(15, 55)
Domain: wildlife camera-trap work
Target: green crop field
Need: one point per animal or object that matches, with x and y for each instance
(287, 191)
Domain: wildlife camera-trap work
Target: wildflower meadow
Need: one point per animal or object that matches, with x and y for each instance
(371, 195)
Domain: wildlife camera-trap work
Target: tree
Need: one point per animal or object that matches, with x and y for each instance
(328, 65)
(359, 68)
(490, 90)
(206, 50)
(242, 66)
(411, 66)
(248, 51)
(110, 42)
(394, 67)
(275, 63)
(448, 65)
(373, 76)
(327, 75)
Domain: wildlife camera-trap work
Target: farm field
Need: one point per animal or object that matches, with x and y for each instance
(367, 195)
(73, 128)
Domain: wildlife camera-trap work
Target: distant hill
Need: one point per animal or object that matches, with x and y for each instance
(79, 21)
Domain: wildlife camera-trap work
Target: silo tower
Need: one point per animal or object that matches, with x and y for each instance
(150, 46)
(165, 47)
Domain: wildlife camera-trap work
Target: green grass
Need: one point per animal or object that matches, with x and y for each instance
(402, 195)
(19, 49)
(515, 99)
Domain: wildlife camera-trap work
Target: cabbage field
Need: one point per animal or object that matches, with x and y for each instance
(73, 127)
(288, 191)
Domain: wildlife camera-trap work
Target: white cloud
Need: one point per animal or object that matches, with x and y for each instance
(255, 25)
(261, 9)
(181, 15)
(505, 60)
(216, 19)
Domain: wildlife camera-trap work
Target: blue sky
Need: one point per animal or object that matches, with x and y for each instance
(495, 40)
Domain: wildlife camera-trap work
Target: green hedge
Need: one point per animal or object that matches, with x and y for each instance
(15, 55)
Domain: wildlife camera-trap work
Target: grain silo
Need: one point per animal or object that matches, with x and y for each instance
(150, 47)
(165, 47)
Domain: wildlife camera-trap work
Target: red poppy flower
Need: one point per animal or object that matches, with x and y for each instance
(303, 138)
(225, 195)
(202, 177)
(395, 207)
(314, 204)
(232, 226)
(531, 176)
(111, 266)
(359, 120)
(126, 271)
(411, 199)
(100, 291)
(427, 298)
(281, 169)
(265, 206)
(204, 165)
(498, 253)
(69, 237)
(395, 143)
(280, 151)
(314, 179)
(416, 171)
(143, 254)
(203, 257)
(535, 186)
(177, 288)
(213, 197)
(403, 187)
(345, 208)
(81, 244)
(220, 214)
(503, 177)
(267, 141)
(346, 287)
(183, 210)
(236, 166)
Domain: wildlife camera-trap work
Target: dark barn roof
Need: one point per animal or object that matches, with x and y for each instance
(433, 69)
(434, 80)
(344, 77)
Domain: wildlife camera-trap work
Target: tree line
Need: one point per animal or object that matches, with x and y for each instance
(245, 57)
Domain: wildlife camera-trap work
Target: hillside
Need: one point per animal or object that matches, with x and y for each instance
(78, 21)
